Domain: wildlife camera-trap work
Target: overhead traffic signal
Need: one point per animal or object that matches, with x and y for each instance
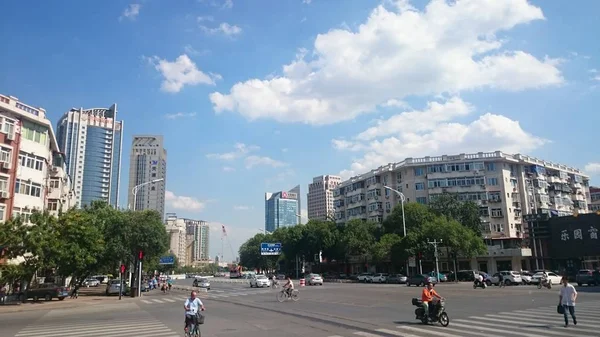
(141, 255)
(122, 269)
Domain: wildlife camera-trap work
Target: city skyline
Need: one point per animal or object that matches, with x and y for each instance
(335, 88)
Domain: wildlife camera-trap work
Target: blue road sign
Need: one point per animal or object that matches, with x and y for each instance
(167, 260)
(270, 248)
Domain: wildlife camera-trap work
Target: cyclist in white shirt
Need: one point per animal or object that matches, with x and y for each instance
(289, 286)
(567, 297)
(193, 305)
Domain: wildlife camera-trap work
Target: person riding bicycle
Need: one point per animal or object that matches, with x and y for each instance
(427, 296)
(289, 286)
(170, 283)
(193, 305)
(500, 280)
(478, 279)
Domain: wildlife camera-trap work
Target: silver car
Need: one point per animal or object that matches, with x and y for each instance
(202, 283)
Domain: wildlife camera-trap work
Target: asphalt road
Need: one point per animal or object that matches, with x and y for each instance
(236, 310)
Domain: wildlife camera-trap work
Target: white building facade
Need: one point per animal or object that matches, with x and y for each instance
(147, 162)
(320, 197)
(177, 238)
(200, 234)
(504, 186)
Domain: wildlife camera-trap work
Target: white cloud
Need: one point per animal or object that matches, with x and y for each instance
(181, 72)
(180, 115)
(241, 150)
(597, 78)
(131, 12)
(228, 4)
(174, 201)
(396, 53)
(205, 18)
(242, 208)
(189, 50)
(223, 28)
(394, 103)
(284, 150)
(228, 169)
(307, 2)
(252, 161)
(434, 131)
(592, 169)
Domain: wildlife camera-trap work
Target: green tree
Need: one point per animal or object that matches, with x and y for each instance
(250, 255)
(359, 236)
(415, 214)
(381, 251)
(465, 212)
(318, 236)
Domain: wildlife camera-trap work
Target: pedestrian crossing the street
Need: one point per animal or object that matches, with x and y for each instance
(543, 321)
(112, 328)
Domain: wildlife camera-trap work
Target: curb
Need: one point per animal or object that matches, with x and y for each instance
(13, 308)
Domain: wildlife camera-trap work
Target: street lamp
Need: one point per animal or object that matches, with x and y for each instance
(265, 231)
(137, 187)
(299, 218)
(402, 199)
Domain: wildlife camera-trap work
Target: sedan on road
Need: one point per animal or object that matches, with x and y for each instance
(378, 278)
(259, 281)
(397, 278)
(364, 277)
(314, 279)
(552, 277)
(420, 280)
(91, 282)
(202, 282)
(113, 286)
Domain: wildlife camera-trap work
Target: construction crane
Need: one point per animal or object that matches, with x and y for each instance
(224, 238)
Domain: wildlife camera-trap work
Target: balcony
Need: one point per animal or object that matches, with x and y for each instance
(495, 251)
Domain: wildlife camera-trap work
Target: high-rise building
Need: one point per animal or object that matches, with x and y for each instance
(147, 162)
(296, 191)
(320, 197)
(32, 168)
(91, 140)
(178, 244)
(281, 210)
(505, 187)
(594, 205)
(200, 232)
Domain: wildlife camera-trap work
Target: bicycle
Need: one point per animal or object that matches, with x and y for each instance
(192, 329)
(283, 295)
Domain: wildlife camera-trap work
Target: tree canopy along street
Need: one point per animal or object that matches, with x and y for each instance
(445, 218)
(80, 242)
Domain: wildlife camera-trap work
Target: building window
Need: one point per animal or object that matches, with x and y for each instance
(54, 183)
(31, 161)
(422, 200)
(419, 171)
(28, 188)
(8, 126)
(35, 133)
(53, 205)
(496, 212)
(490, 166)
(2, 211)
(418, 186)
(5, 155)
(23, 213)
(484, 211)
(492, 181)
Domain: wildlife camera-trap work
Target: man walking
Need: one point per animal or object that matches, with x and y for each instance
(566, 298)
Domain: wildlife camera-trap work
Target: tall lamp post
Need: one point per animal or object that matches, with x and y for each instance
(134, 192)
(402, 200)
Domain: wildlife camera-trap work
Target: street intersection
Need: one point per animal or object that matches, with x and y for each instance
(333, 310)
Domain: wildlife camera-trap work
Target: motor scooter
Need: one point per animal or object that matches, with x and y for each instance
(437, 312)
(545, 284)
(478, 284)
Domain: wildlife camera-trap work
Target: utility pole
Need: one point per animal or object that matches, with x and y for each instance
(435, 244)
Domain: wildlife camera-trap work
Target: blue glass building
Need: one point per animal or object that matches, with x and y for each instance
(91, 140)
(281, 210)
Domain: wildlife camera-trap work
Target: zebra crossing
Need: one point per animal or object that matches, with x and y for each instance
(542, 321)
(113, 328)
(211, 294)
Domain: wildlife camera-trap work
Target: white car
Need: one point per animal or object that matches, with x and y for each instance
(509, 277)
(113, 286)
(91, 282)
(259, 281)
(552, 277)
(202, 282)
(364, 277)
(378, 278)
(314, 279)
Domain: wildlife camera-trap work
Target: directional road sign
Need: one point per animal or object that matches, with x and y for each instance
(270, 248)
(167, 260)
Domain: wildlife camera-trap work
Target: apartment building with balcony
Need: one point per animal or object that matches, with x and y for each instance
(594, 205)
(178, 243)
(504, 186)
(92, 142)
(32, 168)
(320, 197)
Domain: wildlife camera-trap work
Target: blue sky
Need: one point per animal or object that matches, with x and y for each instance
(256, 96)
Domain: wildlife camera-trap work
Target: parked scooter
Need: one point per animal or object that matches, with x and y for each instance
(478, 284)
(545, 284)
(437, 312)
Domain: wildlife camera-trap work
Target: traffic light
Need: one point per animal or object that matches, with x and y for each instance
(122, 269)
(420, 255)
(141, 255)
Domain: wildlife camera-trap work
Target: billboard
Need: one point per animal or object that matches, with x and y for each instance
(166, 260)
(270, 248)
(289, 195)
(575, 237)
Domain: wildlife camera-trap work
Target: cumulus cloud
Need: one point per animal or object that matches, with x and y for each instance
(434, 131)
(252, 161)
(592, 169)
(397, 52)
(181, 72)
(224, 28)
(175, 202)
(131, 12)
(228, 169)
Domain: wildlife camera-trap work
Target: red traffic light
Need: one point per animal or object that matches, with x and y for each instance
(141, 255)
(122, 268)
